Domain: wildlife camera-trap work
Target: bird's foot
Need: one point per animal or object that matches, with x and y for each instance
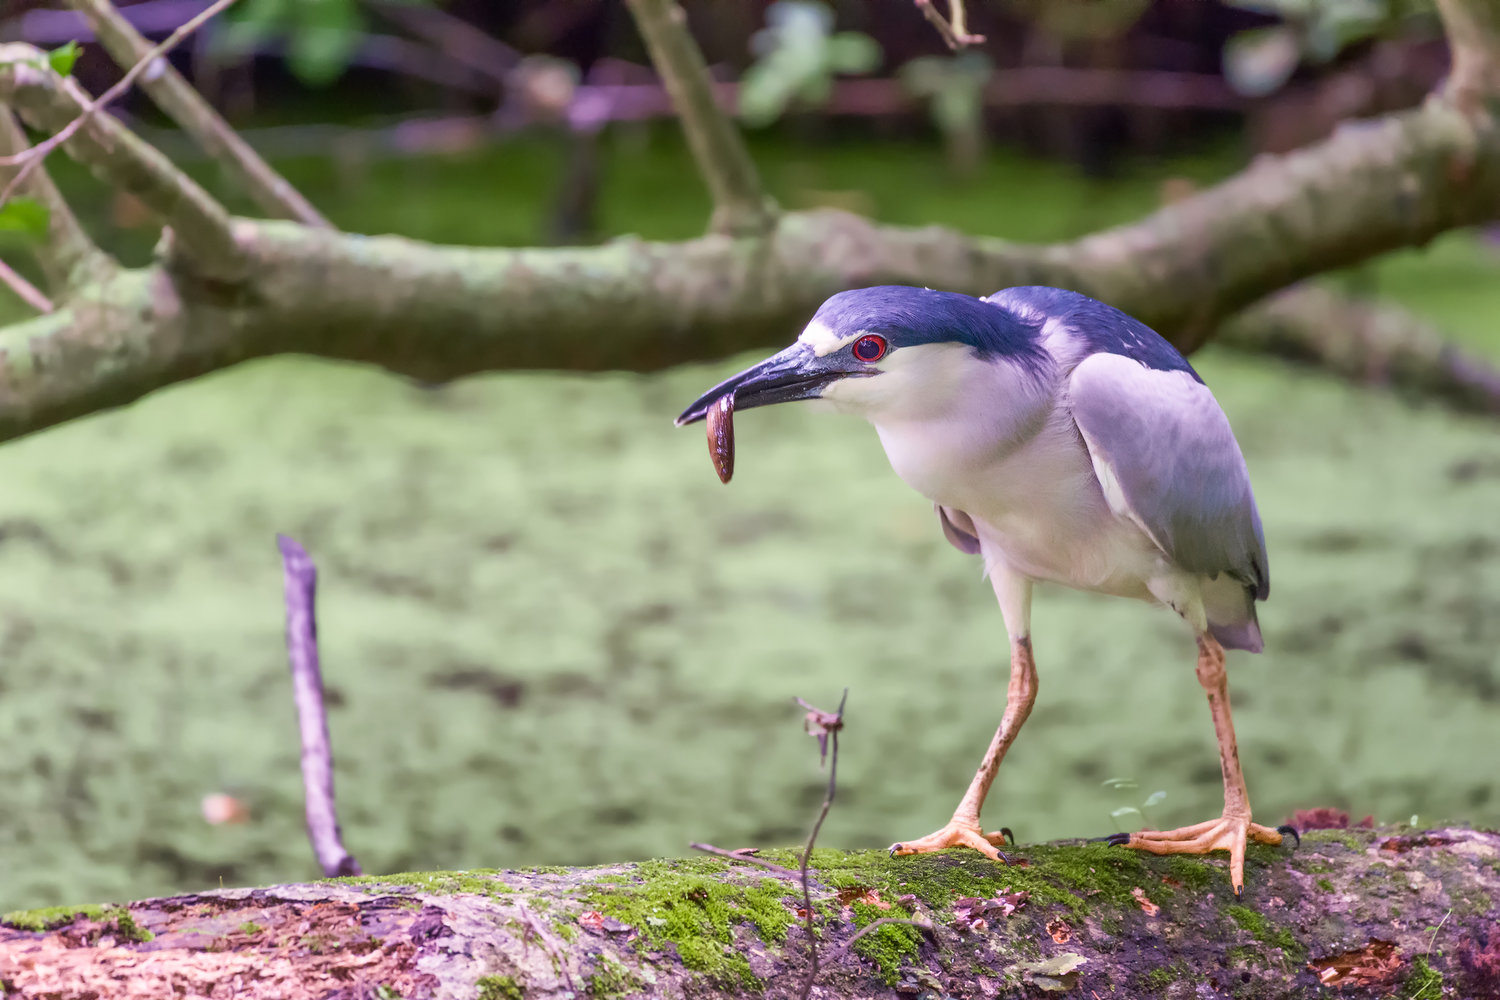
(959, 833)
(1227, 833)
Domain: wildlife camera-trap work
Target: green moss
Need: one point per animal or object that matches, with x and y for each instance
(128, 929)
(1159, 978)
(1264, 931)
(1423, 982)
(500, 988)
(250, 927)
(1353, 841)
(689, 904)
(887, 946)
(1325, 885)
(52, 917)
(611, 979)
(478, 882)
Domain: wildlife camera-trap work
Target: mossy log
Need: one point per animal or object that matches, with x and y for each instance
(1369, 913)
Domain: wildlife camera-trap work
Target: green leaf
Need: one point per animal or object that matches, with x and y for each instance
(62, 58)
(26, 216)
(1124, 811)
(324, 38)
(1119, 783)
(1154, 799)
(853, 52)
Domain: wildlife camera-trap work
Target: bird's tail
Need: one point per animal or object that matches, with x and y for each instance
(1231, 614)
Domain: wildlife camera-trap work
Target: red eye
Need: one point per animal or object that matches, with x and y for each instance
(869, 348)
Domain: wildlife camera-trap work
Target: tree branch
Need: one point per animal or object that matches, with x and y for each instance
(1473, 30)
(1365, 342)
(59, 105)
(184, 105)
(68, 257)
(438, 313)
(740, 204)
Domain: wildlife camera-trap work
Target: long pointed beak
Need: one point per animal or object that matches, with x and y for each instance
(795, 373)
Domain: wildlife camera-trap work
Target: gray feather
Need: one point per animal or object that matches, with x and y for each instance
(1175, 466)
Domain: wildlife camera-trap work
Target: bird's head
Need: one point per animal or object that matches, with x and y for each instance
(886, 352)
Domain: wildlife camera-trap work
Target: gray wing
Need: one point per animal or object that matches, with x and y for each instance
(1165, 455)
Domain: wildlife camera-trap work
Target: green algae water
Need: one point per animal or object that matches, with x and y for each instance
(552, 637)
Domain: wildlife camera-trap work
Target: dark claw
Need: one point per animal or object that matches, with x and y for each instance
(1293, 831)
(1005, 830)
(895, 848)
(1113, 840)
(1239, 892)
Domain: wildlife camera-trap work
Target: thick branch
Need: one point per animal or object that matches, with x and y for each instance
(67, 256)
(438, 313)
(1370, 914)
(51, 103)
(740, 204)
(177, 98)
(1367, 343)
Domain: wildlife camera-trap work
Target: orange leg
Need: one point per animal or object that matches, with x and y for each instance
(963, 830)
(1233, 830)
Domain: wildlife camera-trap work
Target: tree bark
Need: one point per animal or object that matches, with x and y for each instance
(1372, 913)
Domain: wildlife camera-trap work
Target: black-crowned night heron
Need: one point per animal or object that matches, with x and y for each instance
(1060, 440)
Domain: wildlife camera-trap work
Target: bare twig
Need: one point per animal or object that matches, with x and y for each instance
(741, 856)
(740, 203)
(25, 290)
(825, 726)
(32, 158)
(184, 105)
(301, 578)
(67, 256)
(955, 33)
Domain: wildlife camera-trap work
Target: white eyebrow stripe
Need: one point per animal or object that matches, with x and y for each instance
(824, 341)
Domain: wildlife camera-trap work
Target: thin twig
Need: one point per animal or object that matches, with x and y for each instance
(67, 256)
(301, 580)
(955, 34)
(25, 290)
(739, 856)
(169, 91)
(32, 158)
(824, 726)
(875, 925)
(740, 203)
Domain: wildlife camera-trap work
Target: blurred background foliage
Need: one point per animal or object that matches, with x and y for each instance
(550, 635)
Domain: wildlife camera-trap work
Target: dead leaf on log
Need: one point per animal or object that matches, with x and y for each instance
(970, 913)
(1375, 964)
(1055, 975)
(1400, 845)
(861, 894)
(1143, 901)
(1059, 929)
